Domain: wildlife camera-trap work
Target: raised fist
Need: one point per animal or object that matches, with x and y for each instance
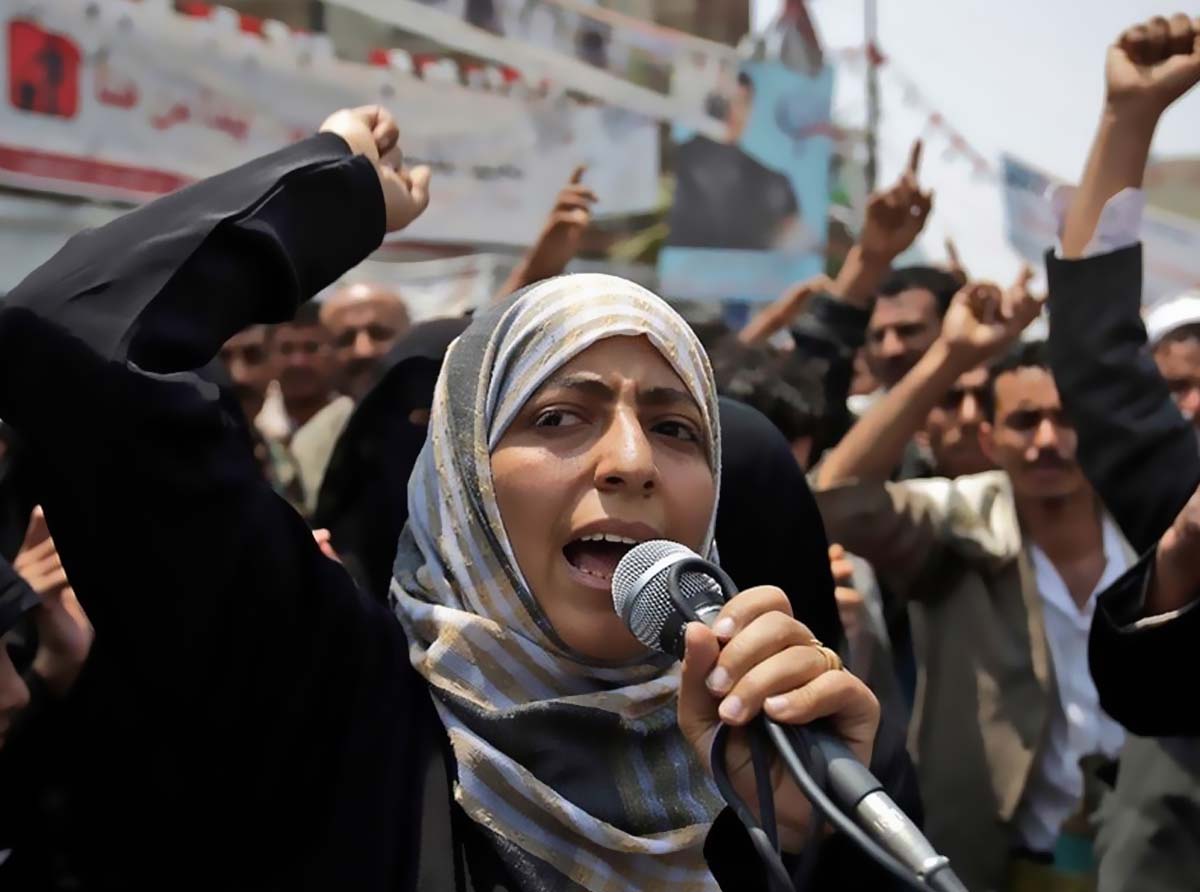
(370, 130)
(1153, 64)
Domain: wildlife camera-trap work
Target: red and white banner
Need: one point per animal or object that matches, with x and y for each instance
(127, 100)
(574, 45)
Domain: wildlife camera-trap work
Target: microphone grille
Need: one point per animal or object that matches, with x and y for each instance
(646, 605)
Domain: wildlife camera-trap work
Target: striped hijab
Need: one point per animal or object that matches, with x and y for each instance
(577, 772)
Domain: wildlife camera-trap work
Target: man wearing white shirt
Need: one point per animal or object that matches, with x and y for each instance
(1078, 727)
(1001, 570)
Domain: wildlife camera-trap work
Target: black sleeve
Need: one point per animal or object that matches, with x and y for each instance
(1136, 448)
(1130, 665)
(245, 646)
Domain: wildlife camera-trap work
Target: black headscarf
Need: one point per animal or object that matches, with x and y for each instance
(769, 531)
(363, 500)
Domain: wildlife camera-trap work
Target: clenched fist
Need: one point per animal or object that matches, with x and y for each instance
(1154, 63)
(371, 131)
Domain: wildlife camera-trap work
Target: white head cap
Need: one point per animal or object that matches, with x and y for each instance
(1172, 315)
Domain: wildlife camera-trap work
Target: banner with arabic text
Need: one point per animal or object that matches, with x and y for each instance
(125, 101)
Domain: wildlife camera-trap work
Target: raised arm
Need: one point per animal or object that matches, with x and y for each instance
(779, 314)
(176, 548)
(1148, 68)
(216, 615)
(1135, 446)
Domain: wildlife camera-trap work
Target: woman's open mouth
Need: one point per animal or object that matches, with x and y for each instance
(593, 558)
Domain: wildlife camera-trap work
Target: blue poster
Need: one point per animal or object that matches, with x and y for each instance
(749, 214)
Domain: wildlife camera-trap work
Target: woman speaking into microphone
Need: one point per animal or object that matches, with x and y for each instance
(498, 728)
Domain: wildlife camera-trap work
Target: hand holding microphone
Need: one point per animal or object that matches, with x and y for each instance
(746, 658)
(758, 657)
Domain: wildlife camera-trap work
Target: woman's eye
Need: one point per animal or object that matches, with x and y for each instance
(679, 430)
(557, 418)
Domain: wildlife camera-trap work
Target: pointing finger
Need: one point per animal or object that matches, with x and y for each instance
(914, 159)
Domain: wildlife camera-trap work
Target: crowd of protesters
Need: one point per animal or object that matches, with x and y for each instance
(218, 668)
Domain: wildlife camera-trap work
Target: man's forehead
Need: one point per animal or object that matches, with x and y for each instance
(1027, 387)
(363, 311)
(292, 331)
(1183, 354)
(910, 305)
(255, 335)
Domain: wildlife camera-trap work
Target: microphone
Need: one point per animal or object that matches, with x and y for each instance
(659, 587)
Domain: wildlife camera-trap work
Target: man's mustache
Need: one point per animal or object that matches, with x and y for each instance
(1052, 461)
(360, 366)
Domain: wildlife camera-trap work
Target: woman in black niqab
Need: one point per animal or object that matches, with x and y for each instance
(363, 500)
(769, 531)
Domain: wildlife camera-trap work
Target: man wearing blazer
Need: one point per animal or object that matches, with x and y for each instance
(1001, 571)
(1139, 448)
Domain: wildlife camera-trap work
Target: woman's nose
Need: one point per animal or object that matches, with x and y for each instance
(625, 457)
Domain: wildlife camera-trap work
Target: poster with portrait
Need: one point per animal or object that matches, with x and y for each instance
(749, 209)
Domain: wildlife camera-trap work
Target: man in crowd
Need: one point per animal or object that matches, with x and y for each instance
(316, 414)
(1173, 332)
(249, 372)
(247, 360)
(1001, 570)
(906, 319)
(364, 322)
(1139, 448)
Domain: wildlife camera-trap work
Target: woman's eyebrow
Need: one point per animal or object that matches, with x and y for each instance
(592, 385)
(665, 397)
(587, 384)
